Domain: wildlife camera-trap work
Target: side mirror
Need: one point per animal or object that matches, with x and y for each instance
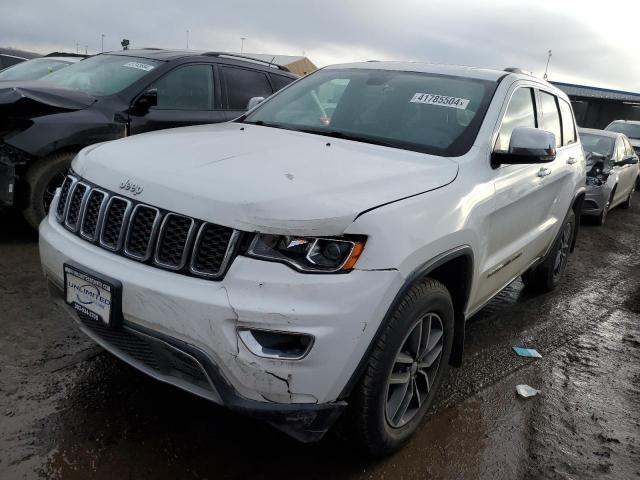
(147, 100)
(630, 160)
(527, 145)
(254, 101)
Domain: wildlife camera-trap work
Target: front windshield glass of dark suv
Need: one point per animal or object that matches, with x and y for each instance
(102, 75)
(428, 113)
(631, 130)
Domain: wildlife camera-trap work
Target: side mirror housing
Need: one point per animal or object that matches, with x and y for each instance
(626, 161)
(147, 100)
(527, 146)
(254, 101)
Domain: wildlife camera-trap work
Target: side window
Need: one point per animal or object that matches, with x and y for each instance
(551, 116)
(280, 81)
(629, 149)
(242, 85)
(568, 128)
(186, 88)
(520, 113)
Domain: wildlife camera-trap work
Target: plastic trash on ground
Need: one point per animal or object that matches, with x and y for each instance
(527, 352)
(526, 391)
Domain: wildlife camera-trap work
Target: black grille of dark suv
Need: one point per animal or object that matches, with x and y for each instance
(145, 233)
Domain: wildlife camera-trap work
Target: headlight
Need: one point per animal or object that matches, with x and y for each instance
(308, 254)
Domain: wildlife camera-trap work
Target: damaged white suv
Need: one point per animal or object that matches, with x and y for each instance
(319, 256)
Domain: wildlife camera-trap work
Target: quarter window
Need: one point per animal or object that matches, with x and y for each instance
(551, 116)
(186, 88)
(620, 150)
(280, 81)
(242, 85)
(568, 127)
(520, 113)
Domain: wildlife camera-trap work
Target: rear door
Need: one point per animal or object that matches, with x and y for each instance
(239, 85)
(186, 96)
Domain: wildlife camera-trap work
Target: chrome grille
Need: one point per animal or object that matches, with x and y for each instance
(145, 233)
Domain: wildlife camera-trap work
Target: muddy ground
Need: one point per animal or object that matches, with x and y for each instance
(70, 410)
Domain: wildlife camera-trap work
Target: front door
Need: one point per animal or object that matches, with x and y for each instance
(186, 96)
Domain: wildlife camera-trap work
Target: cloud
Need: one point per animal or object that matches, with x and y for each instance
(492, 34)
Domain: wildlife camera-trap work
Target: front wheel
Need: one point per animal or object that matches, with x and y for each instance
(546, 276)
(43, 178)
(404, 370)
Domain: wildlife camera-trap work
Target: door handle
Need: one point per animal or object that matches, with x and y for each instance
(572, 160)
(543, 172)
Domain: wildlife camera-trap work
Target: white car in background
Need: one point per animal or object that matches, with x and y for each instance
(305, 262)
(37, 68)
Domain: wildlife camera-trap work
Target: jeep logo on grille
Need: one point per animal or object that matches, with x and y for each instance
(129, 186)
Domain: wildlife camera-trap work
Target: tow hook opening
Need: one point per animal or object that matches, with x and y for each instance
(275, 344)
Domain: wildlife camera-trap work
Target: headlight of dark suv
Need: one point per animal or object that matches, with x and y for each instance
(308, 254)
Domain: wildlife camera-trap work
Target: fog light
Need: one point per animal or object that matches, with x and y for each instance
(272, 344)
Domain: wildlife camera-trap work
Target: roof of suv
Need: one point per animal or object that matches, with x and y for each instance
(456, 70)
(168, 55)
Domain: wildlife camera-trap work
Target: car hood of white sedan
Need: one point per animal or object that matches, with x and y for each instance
(257, 178)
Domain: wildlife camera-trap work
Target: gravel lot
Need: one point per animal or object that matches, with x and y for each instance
(70, 410)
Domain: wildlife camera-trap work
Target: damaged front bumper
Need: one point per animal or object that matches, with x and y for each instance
(198, 321)
(595, 199)
(11, 159)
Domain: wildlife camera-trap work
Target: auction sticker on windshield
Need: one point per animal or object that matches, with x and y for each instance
(88, 295)
(441, 100)
(139, 66)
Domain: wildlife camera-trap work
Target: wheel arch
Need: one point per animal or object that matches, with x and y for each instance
(454, 269)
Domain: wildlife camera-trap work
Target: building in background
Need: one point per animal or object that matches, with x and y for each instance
(597, 107)
(298, 65)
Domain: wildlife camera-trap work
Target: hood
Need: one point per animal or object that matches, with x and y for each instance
(260, 178)
(592, 158)
(30, 99)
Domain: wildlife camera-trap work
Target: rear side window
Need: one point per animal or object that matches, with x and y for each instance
(280, 82)
(620, 149)
(629, 148)
(520, 113)
(186, 88)
(241, 85)
(551, 116)
(568, 126)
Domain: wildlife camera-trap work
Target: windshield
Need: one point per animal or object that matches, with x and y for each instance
(631, 130)
(597, 144)
(32, 69)
(415, 111)
(103, 74)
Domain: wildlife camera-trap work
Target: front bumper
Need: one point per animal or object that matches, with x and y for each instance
(11, 160)
(595, 200)
(200, 318)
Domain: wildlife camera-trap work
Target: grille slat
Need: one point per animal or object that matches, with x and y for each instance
(91, 214)
(113, 223)
(142, 226)
(145, 233)
(174, 238)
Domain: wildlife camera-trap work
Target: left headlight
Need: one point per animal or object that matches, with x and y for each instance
(308, 254)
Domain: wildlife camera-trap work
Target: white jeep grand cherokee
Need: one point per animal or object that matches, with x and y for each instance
(320, 255)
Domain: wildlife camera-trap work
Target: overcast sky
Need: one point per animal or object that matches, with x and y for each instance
(592, 42)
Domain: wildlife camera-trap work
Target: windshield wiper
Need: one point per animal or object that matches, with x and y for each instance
(348, 136)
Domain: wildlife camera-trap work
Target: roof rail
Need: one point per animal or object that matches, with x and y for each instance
(246, 57)
(518, 70)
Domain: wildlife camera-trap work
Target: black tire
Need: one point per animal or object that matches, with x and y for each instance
(546, 276)
(367, 421)
(43, 177)
(627, 203)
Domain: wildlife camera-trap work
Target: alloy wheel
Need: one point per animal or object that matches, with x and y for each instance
(414, 370)
(562, 254)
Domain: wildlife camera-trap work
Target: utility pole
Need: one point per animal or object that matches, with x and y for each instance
(547, 67)
(86, 49)
(187, 39)
(102, 42)
(242, 39)
(77, 48)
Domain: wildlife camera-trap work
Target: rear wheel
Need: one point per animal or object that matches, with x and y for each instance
(43, 178)
(546, 276)
(404, 370)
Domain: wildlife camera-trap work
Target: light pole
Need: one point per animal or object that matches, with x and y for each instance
(242, 39)
(187, 39)
(86, 49)
(77, 48)
(547, 67)
(102, 42)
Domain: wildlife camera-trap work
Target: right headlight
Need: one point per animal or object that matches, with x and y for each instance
(308, 254)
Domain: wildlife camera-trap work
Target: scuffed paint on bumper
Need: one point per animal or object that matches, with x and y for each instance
(342, 312)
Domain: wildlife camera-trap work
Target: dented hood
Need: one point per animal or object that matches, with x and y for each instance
(260, 178)
(28, 99)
